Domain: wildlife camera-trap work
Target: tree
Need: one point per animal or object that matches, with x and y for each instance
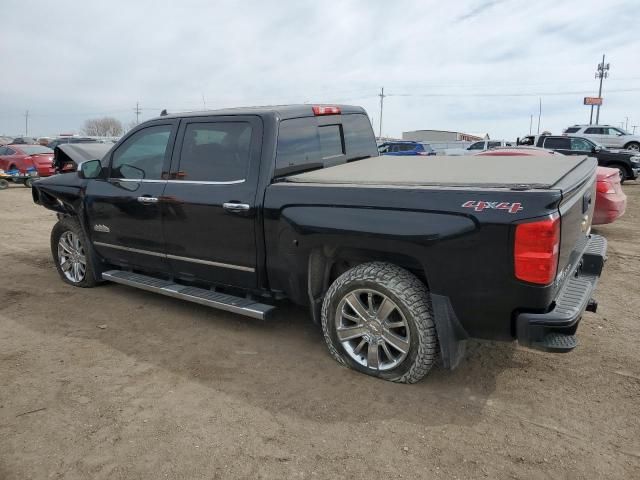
(103, 127)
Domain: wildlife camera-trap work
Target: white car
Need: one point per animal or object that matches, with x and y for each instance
(611, 137)
(487, 144)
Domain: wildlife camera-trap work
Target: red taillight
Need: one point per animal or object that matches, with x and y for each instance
(605, 187)
(536, 249)
(325, 110)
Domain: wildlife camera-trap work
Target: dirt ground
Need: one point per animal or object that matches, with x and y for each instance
(116, 383)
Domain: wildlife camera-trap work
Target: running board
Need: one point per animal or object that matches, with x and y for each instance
(221, 301)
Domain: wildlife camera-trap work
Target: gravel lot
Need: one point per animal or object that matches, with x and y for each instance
(115, 383)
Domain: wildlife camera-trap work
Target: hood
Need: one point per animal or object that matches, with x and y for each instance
(68, 156)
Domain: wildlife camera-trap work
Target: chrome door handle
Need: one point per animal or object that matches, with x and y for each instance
(236, 207)
(148, 199)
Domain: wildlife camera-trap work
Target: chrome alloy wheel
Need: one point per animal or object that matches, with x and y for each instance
(372, 329)
(71, 257)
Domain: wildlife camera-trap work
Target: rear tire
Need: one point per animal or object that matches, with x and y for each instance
(28, 182)
(3, 184)
(390, 334)
(72, 254)
(633, 146)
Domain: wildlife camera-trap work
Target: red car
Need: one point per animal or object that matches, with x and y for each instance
(610, 199)
(24, 157)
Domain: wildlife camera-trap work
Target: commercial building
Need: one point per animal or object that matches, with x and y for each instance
(443, 136)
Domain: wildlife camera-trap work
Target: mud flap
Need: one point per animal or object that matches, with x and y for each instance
(452, 337)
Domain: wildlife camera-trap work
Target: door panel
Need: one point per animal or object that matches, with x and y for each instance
(209, 203)
(124, 210)
(124, 230)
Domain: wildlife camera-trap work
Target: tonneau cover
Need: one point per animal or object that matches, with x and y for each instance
(480, 171)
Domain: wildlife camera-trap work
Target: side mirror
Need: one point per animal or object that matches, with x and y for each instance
(596, 148)
(90, 169)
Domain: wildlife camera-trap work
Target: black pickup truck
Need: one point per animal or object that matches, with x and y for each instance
(400, 260)
(626, 161)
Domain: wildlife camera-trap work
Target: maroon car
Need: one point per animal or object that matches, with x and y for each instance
(25, 157)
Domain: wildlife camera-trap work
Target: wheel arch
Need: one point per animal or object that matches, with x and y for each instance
(326, 264)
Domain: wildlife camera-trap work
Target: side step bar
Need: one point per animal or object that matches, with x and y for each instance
(221, 301)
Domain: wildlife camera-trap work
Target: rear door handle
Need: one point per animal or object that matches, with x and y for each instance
(148, 199)
(236, 207)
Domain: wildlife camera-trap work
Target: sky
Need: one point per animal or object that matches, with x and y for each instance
(469, 65)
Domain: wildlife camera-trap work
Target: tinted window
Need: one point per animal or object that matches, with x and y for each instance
(557, 143)
(330, 141)
(407, 147)
(215, 152)
(594, 131)
(359, 140)
(304, 145)
(35, 149)
(581, 145)
(3, 150)
(572, 130)
(477, 146)
(142, 155)
(493, 144)
(10, 151)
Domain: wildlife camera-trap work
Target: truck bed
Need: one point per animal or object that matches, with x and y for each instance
(543, 172)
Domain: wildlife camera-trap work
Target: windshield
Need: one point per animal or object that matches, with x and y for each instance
(35, 149)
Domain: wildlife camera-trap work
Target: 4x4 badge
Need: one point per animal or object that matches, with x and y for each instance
(479, 206)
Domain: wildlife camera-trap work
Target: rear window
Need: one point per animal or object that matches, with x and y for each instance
(35, 149)
(304, 143)
(572, 130)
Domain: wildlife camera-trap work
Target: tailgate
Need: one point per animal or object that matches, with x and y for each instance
(576, 213)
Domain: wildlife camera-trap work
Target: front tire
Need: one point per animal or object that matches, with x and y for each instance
(28, 182)
(71, 254)
(377, 319)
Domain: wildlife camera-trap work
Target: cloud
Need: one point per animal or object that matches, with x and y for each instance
(454, 60)
(479, 9)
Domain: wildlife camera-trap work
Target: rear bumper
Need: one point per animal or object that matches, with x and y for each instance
(573, 299)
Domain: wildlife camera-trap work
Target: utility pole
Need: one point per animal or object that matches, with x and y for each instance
(539, 114)
(626, 124)
(634, 128)
(601, 73)
(26, 123)
(137, 111)
(381, 95)
(530, 123)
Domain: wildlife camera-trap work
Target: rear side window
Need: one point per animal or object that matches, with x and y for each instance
(572, 130)
(215, 152)
(477, 146)
(493, 144)
(303, 144)
(594, 131)
(557, 143)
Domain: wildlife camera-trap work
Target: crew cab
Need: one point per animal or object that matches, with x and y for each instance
(627, 162)
(398, 260)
